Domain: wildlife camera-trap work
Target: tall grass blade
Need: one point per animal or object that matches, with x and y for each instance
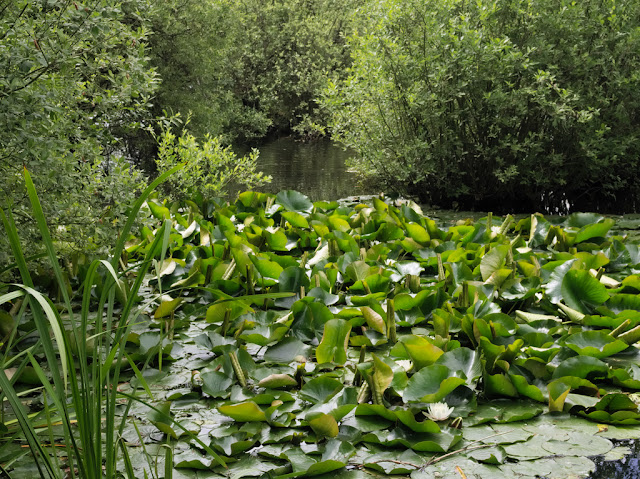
(25, 424)
(56, 326)
(93, 386)
(46, 239)
(168, 462)
(16, 249)
(5, 298)
(128, 466)
(117, 251)
(165, 246)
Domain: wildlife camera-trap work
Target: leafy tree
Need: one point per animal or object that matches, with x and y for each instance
(75, 82)
(501, 104)
(248, 68)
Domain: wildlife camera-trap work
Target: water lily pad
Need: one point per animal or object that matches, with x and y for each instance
(421, 351)
(373, 319)
(294, 201)
(335, 340)
(431, 384)
(581, 291)
(463, 362)
(243, 412)
(295, 219)
(277, 381)
(324, 425)
(216, 384)
(583, 367)
(320, 389)
(579, 444)
(597, 344)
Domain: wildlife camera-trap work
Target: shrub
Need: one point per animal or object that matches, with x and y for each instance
(505, 104)
(209, 169)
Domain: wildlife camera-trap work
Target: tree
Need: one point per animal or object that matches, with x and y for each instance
(245, 69)
(508, 104)
(75, 82)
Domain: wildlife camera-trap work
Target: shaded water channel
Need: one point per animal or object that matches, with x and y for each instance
(318, 170)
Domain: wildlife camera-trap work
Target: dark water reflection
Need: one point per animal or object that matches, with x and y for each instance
(316, 169)
(626, 468)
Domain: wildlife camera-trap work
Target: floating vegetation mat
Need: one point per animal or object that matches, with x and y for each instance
(301, 339)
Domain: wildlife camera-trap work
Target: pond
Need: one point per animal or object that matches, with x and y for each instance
(316, 168)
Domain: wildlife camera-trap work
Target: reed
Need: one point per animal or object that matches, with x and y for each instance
(83, 357)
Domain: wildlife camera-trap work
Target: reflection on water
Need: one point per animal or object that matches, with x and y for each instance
(316, 169)
(626, 468)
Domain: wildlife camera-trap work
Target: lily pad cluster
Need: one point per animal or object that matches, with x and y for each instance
(365, 338)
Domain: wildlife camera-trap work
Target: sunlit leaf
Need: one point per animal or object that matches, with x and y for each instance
(333, 347)
(243, 412)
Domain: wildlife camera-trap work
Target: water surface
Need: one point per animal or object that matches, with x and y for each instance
(316, 169)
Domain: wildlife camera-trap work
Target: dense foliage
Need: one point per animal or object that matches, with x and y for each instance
(209, 169)
(278, 337)
(74, 83)
(246, 69)
(506, 104)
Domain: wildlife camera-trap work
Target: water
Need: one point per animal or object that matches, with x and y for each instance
(316, 169)
(626, 468)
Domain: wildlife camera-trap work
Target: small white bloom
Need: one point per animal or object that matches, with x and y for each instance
(321, 254)
(438, 411)
(405, 363)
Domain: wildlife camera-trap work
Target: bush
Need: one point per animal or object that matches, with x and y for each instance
(75, 82)
(508, 104)
(209, 169)
(252, 68)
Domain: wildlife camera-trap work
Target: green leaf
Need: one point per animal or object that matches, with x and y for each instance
(295, 219)
(418, 233)
(373, 319)
(431, 384)
(382, 375)
(159, 211)
(580, 290)
(244, 412)
(216, 384)
(294, 201)
(333, 347)
(324, 425)
(167, 307)
(266, 268)
(493, 261)
(598, 344)
(159, 418)
(320, 389)
(287, 350)
(277, 381)
(585, 367)
(463, 362)
(421, 351)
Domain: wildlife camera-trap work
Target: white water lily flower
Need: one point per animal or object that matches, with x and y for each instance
(438, 411)
(321, 254)
(405, 364)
